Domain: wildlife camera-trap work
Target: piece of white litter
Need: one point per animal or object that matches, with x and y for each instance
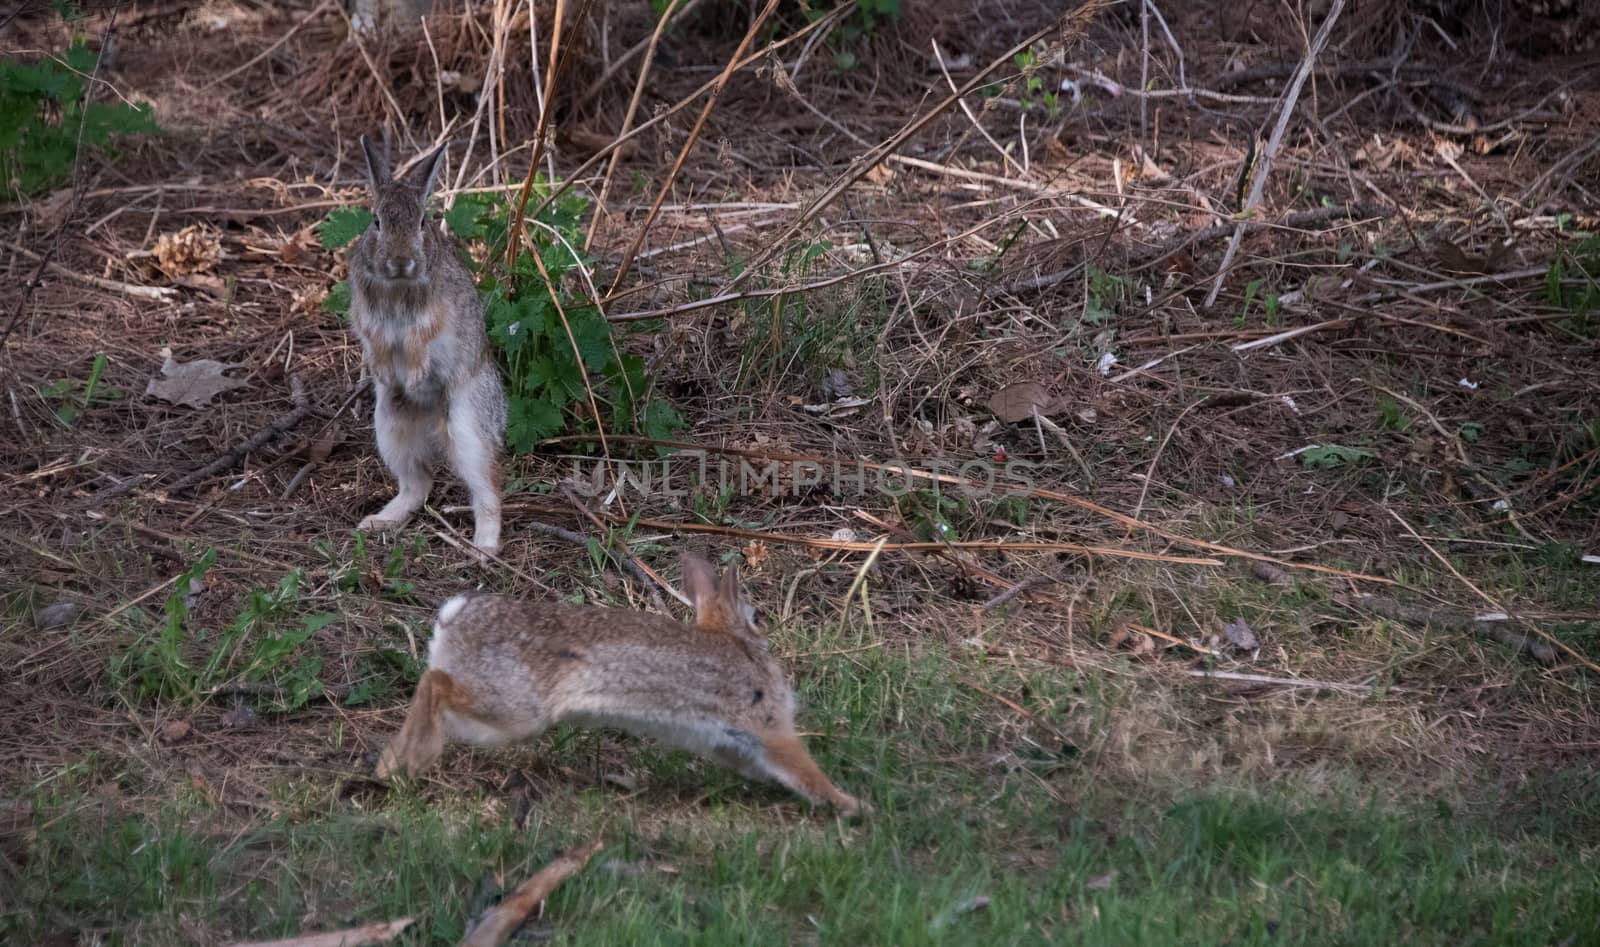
(1103, 365)
(1467, 384)
(1492, 616)
(1500, 506)
(1288, 402)
(1227, 481)
(1592, 560)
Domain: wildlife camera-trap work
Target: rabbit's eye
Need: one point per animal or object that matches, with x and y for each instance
(376, 224)
(756, 618)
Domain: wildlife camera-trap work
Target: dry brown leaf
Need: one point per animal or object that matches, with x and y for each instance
(191, 383)
(1240, 636)
(175, 730)
(755, 555)
(1019, 401)
(194, 249)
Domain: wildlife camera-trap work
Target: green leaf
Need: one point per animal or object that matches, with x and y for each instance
(530, 421)
(466, 217)
(1391, 416)
(593, 336)
(338, 299)
(342, 226)
(661, 420)
(1329, 456)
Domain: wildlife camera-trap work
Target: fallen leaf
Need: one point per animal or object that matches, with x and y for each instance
(54, 615)
(844, 534)
(1101, 883)
(1240, 636)
(191, 383)
(497, 926)
(1020, 400)
(1269, 573)
(755, 555)
(175, 730)
(965, 907)
(241, 716)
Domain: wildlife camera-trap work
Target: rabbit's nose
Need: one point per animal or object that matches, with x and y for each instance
(397, 267)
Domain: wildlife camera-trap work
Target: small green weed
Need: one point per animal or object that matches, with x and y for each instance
(805, 332)
(1390, 416)
(43, 117)
(261, 646)
(1271, 305)
(1330, 456)
(76, 397)
(1578, 264)
(1034, 93)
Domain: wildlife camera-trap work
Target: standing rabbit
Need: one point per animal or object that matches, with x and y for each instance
(420, 320)
(502, 670)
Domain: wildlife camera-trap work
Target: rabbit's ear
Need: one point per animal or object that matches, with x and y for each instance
(728, 589)
(700, 581)
(428, 169)
(377, 165)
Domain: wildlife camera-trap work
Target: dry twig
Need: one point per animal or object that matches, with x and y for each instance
(501, 921)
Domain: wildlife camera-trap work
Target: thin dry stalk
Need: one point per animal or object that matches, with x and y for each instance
(689, 143)
(1270, 153)
(650, 45)
(1071, 27)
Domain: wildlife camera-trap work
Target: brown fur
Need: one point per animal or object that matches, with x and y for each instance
(503, 670)
(418, 315)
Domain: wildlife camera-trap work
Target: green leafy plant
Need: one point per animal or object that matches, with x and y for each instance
(262, 646)
(1573, 280)
(1329, 456)
(1390, 415)
(1106, 294)
(76, 397)
(554, 348)
(43, 117)
(1033, 90)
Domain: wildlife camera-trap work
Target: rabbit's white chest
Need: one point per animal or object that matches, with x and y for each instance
(406, 352)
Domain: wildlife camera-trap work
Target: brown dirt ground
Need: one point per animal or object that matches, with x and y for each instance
(1186, 432)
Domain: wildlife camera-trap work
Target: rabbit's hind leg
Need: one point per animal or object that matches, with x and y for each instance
(421, 739)
(474, 432)
(407, 443)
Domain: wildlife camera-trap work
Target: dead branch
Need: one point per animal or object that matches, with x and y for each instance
(1269, 154)
(1032, 581)
(277, 428)
(111, 285)
(380, 932)
(621, 552)
(497, 925)
(1459, 621)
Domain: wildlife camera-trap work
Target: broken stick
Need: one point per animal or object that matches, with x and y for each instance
(276, 429)
(497, 925)
(1446, 618)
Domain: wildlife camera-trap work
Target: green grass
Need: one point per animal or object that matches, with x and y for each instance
(965, 806)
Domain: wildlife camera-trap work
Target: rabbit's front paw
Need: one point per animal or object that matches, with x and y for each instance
(376, 524)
